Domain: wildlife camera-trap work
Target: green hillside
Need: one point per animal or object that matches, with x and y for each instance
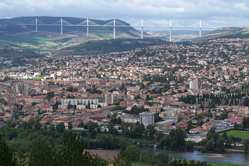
(108, 46)
(232, 32)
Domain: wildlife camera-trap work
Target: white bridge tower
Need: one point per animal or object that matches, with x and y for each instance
(200, 30)
(114, 29)
(142, 29)
(170, 30)
(36, 24)
(87, 27)
(62, 26)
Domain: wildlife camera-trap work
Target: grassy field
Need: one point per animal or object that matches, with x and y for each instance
(238, 133)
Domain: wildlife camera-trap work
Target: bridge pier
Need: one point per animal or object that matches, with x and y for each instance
(61, 26)
(87, 27)
(142, 30)
(114, 29)
(36, 24)
(200, 31)
(170, 30)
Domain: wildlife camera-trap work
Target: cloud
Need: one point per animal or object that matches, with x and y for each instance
(157, 10)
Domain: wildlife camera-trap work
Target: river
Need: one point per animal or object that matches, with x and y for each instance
(229, 158)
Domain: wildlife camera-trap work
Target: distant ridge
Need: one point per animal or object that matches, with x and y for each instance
(71, 25)
(228, 32)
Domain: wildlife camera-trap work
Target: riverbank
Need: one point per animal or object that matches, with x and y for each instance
(144, 164)
(226, 159)
(230, 150)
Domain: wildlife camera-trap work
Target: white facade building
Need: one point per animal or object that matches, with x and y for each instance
(194, 85)
(147, 118)
(80, 103)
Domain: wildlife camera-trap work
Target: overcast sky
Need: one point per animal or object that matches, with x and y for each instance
(234, 12)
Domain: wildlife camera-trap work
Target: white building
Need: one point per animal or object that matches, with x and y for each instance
(80, 103)
(147, 118)
(194, 85)
(109, 99)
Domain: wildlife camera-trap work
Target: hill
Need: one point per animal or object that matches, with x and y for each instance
(228, 32)
(19, 42)
(20, 31)
(12, 56)
(71, 25)
(108, 46)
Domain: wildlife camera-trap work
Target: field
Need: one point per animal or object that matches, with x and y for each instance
(238, 133)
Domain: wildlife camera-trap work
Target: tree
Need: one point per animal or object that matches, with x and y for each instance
(131, 153)
(246, 146)
(56, 105)
(60, 128)
(150, 132)
(49, 95)
(92, 128)
(178, 139)
(136, 110)
(41, 154)
(6, 156)
(215, 142)
(1, 104)
(70, 126)
(245, 122)
(121, 161)
(246, 102)
(136, 131)
(162, 159)
(72, 89)
(71, 153)
(2, 101)
(174, 141)
(147, 157)
(107, 141)
(115, 119)
(36, 124)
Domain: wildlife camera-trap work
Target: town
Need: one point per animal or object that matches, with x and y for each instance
(191, 86)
